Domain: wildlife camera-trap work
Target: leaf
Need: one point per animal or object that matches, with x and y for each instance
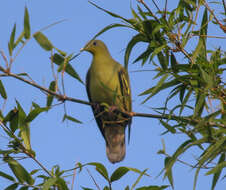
(52, 87)
(12, 39)
(100, 168)
(168, 172)
(43, 41)
(49, 183)
(19, 171)
(137, 38)
(199, 105)
(71, 119)
(85, 188)
(118, 173)
(4, 175)
(217, 170)
(59, 60)
(24, 127)
(168, 127)
(19, 39)
(62, 184)
(34, 113)
(106, 28)
(27, 30)
(153, 187)
(12, 187)
(138, 179)
(2, 91)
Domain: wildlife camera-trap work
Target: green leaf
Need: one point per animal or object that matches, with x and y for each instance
(12, 187)
(71, 119)
(24, 127)
(62, 184)
(139, 178)
(217, 170)
(49, 183)
(19, 171)
(43, 41)
(34, 113)
(12, 39)
(27, 30)
(118, 173)
(24, 188)
(106, 28)
(52, 87)
(100, 168)
(137, 38)
(153, 187)
(86, 188)
(4, 175)
(168, 127)
(199, 105)
(19, 39)
(168, 172)
(59, 60)
(2, 90)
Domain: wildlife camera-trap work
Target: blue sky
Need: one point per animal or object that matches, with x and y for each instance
(64, 144)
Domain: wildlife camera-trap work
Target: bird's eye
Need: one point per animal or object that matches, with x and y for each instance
(94, 43)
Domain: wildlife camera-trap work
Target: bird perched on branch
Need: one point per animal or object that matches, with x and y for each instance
(108, 88)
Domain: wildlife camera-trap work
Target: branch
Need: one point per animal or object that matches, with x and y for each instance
(130, 114)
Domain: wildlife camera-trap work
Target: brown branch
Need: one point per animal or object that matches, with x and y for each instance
(214, 16)
(130, 114)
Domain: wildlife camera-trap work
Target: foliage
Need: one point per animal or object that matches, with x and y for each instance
(196, 83)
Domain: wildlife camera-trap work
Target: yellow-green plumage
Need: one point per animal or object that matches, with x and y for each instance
(107, 84)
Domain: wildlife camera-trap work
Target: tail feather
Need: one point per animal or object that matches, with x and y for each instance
(115, 143)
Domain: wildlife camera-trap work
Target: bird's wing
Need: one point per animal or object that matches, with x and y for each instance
(126, 95)
(96, 110)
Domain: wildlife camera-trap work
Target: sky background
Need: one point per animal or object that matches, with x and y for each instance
(65, 144)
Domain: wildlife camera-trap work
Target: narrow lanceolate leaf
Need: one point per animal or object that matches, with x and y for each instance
(12, 39)
(100, 168)
(43, 41)
(2, 91)
(52, 87)
(217, 170)
(19, 171)
(27, 30)
(106, 28)
(6, 176)
(49, 183)
(168, 172)
(34, 113)
(12, 187)
(24, 127)
(139, 178)
(118, 173)
(136, 39)
(71, 119)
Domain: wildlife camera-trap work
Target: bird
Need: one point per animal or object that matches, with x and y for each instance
(108, 90)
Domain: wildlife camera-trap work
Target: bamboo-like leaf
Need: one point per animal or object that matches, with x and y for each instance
(43, 41)
(52, 87)
(2, 91)
(49, 183)
(153, 187)
(168, 172)
(19, 39)
(185, 100)
(34, 113)
(19, 171)
(61, 184)
(168, 127)
(106, 28)
(100, 168)
(6, 176)
(199, 105)
(136, 39)
(70, 118)
(27, 30)
(118, 173)
(12, 187)
(12, 39)
(139, 178)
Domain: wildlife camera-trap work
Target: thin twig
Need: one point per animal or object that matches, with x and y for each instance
(93, 179)
(165, 9)
(149, 10)
(156, 6)
(224, 6)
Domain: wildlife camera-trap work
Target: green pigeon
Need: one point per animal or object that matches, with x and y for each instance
(108, 89)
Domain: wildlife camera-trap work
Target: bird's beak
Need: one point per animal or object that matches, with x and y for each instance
(82, 49)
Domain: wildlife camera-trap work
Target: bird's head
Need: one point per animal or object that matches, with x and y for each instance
(95, 47)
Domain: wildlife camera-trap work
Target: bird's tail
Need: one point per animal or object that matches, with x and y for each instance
(115, 143)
